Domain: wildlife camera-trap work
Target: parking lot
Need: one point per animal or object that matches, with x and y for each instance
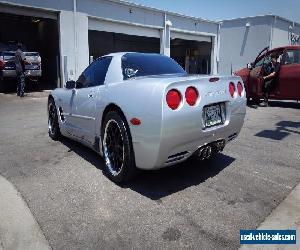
(192, 205)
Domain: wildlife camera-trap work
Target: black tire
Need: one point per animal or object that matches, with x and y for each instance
(117, 148)
(248, 101)
(53, 126)
(256, 101)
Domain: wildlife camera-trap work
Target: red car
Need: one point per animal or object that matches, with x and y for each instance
(288, 85)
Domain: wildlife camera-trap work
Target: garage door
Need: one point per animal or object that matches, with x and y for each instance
(101, 25)
(191, 37)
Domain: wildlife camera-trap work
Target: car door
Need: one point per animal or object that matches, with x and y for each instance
(255, 76)
(64, 105)
(289, 75)
(89, 88)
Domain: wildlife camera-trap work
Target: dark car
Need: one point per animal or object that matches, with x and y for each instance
(287, 86)
(33, 71)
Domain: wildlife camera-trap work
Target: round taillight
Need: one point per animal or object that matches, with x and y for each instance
(231, 89)
(191, 95)
(240, 88)
(173, 98)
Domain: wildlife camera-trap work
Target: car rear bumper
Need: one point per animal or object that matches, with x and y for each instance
(28, 73)
(178, 147)
(179, 136)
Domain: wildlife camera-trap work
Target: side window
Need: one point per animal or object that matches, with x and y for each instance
(83, 78)
(100, 70)
(291, 57)
(94, 75)
(263, 60)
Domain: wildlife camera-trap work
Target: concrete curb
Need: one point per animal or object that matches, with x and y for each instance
(285, 216)
(18, 228)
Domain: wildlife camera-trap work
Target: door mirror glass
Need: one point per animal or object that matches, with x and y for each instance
(79, 85)
(70, 84)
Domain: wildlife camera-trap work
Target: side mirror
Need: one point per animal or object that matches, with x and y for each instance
(250, 65)
(70, 84)
(78, 85)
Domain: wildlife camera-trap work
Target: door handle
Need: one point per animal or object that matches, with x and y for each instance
(91, 96)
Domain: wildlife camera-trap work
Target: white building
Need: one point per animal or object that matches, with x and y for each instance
(67, 33)
(241, 39)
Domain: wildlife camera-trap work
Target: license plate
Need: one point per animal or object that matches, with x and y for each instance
(213, 115)
(31, 67)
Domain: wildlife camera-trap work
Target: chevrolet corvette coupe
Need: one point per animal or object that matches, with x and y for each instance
(142, 111)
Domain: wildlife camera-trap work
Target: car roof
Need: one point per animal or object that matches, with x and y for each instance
(287, 47)
(131, 52)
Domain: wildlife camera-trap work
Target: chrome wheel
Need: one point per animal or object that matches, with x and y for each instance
(53, 126)
(113, 147)
(52, 118)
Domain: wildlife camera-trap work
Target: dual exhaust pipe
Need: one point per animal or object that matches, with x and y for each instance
(206, 151)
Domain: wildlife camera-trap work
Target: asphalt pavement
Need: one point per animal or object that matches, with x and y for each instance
(199, 205)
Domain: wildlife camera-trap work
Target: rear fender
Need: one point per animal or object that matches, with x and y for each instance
(142, 101)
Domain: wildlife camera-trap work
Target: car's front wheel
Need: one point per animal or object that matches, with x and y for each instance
(117, 148)
(53, 126)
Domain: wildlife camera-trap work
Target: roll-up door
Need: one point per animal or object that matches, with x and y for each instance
(116, 27)
(190, 36)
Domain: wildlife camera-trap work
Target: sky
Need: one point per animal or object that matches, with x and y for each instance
(217, 10)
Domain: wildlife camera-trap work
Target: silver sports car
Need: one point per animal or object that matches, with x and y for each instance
(143, 111)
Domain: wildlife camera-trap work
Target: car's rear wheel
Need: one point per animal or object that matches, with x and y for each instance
(117, 148)
(256, 101)
(53, 126)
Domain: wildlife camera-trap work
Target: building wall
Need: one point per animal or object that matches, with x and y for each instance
(240, 44)
(111, 10)
(192, 25)
(43, 4)
(73, 44)
(282, 31)
(295, 32)
(75, 18)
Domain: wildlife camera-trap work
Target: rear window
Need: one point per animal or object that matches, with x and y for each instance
(31, 53)
(144, 64)
(291, 57)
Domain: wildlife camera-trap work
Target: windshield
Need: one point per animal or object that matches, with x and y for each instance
(145, 64)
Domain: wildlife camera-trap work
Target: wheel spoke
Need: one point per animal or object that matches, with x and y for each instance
(114, 147)
(51, 118)
(117, 136)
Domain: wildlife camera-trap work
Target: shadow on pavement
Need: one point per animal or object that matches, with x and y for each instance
(253, 106)
(84, 152)
(274, 103)
(10, 87)
(285, 104)
(284, 128)
(161, 183)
